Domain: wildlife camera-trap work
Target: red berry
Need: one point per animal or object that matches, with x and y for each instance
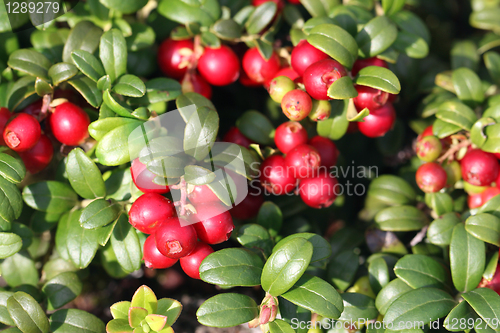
(219, 66)
(69, 124)
(235, 136)
(213, 223)
(475, 200)
(378, 122)
(303, 161)
(143, 179)
(370, 98)
(259, 69)
(34, 109)
(201, 194)
(248, 207)
(319, 77)
(479, 167)
(296, 104)
(294, 2)
(285, 71)
(289, 135)
(428, 148)
(173, 57)
(4, 118)
(279, 3)
(431, 177)
(191, 263)
(304, 55)
(318, 192)
(175, 238)
(275, 176)
(22, 132)
(489, 193)
(248, 82)
(362, 63)
(153, 258)
(149, 210)
(327, 150)
(37, 158)
(196, 83)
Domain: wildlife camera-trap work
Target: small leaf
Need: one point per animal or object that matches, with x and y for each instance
(169, 308)
(198, 175)
(400, 218)
(126, 245)
(334, 41)
(9, 244)
(378, 78)
(492, 63)
(61, 72)
(392, 190)
(255, 126)
(113, 148)
(456, 113)
(321, 247)
(129, 85)
(119, 326)
(27, 314)
(99, 128)
(232, 267)
(485, 227)
(285, 266)
(156, 322)
(120, 310)
(358, 306)
(376, 36)
(88, 64)
(486, 303)
(12, 168)
(419, 271)
(391, 7)
(145, 298)
(468, 86)
(81, 244)
(462, 310)
(280, 326)
(88, 89)
(270, 217)
(378, 274)
(261, 17)
(136, 316)
(30, 62)
(227, 310)
(342, 269)
(205, 12)
(200, 132)
(99, 213)
(441, 229)
(62, 289)
(113, 53)
(465, 54)
(342, 88)
(441, 203)
(50, 196)
(391, 293)
(160, 90)
(84, 36)
(43, 87)
(74, 320)
(84, 175)
(19, 269)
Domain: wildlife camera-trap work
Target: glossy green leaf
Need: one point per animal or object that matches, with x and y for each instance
(118, 326)
(200, 132)
(457, 114)
(99, 128)
(441, 229)
(486, 18)
(392, 190)
(391, 7)
(88, 89)
(170, 308)
(492, 63)
(411, 45)
(342, 88)
(145, 298)
(378, 274)
(43, 87)
(227, 310)
(30, 62)
(84, 36)
(161, 90)
(113, 54)
(75, 321)
(50, 196)
(104, 83)
(468, 86)
(378, 78)
(113, 148)
(419, 305)
(400, 218)
(466, 270)
(485, 227)
(390, 293)
(197, 175)
(136, 316)
(334, 41)
(270, 217)
(227, 29)
(486, 303)
(477, 132)
(411, 23)
(376, 36)
(280, 326)
(113, 102)
(4, 312)
(205, 13)
(62, 289)
(99, 213)
(129, 85)
(440, 203)
(261, 17)
(255, 126)
(88, 64)
(465, 54)
(119, 310)
(27, 314)
(232, 267)
(321, 247)
(61, 72)
(143, 36)
(342, 269)
(124, 6)
(419, 271)
(9, 244)
(336, 125)
(11, 168)
(256, 237)
(358, 306)
(126, 245)
(286, 265)
(454, 322)
(84, 175)
(442, 129)
(315, 7)
(20, 90)
(185, 100)
(19, 269)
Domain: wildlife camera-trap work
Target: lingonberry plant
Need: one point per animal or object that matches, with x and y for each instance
(200, 146)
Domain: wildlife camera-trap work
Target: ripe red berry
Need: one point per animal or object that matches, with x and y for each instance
(296, 104)
(35, 108)
(194, 82)
(474, 200)
(303, 161)
(191, 263)
(37, 158)
(22, 132)
(201, 194)
(304, 55)
(275, 177)
(149, 210)
(489, 193)
(378, 122)
(279, 3)
(479, 167)
(319, 77)
(320, 191)
(285, 71)
(370, 98)
(431, 177)
(173, 57)
(219, 66)
(327, 150)
(69, 124)
(175, 238)
(213, 223)
(362, 63)
(248, 207)
(428, 148)
(153, 258)
(4, 118)
(235, 136)
(143, 179)
(289, 135)
(294, 2)
(259, 69)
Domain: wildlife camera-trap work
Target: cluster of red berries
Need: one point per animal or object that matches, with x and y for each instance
(22, 132)
(479, 169)
(305, 166)
(173, 238)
